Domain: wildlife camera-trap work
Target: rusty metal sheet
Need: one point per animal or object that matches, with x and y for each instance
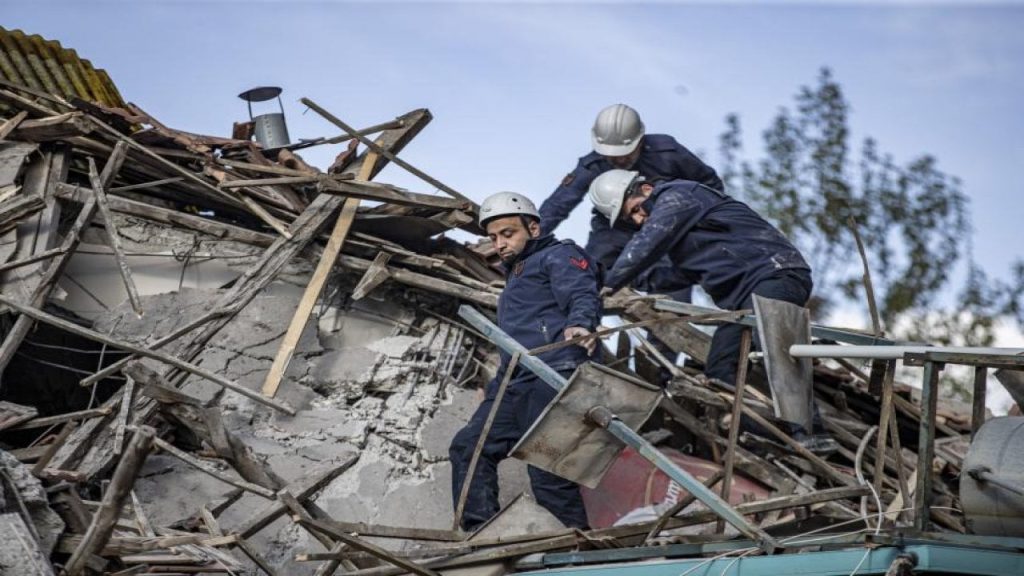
(564, 442)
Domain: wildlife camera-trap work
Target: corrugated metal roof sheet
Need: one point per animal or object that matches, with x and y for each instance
(46, 65)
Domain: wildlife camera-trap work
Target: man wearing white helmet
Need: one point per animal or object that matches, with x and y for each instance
(716, 241)
(551, 294)
(619, 141)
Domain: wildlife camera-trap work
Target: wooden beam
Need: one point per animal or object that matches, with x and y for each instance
(282, 180)
(12, 211)
(374, 276)
(46, 318)
(301, 489)
(375, 147)
(121, 424)
(978, 399)
(417, 280)
(51, 450)
(481, 441)
(113, 238)
(304, 230)
(210, 470)
(737, 414)
(52, 128)
(885, 416)
(209, 226)
(800, 449)
(360, 544)
(106, 517)
(44, 255)
(11, 123)
(316, 285)
(389, 194)
(680, 336)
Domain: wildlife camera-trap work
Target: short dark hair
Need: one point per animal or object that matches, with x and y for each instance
(526, 219)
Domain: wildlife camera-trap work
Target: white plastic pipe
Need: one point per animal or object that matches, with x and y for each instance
(889, 352)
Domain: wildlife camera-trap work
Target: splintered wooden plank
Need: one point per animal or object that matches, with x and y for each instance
(376, 274)
(11, 123)
(12, 414)
(50, 128)
(36, 314)
(113, 237)
(304, 229)
(301, 489)
(102, 525)
(316, 285)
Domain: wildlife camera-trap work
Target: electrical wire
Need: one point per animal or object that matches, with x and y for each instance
(792, 540)
(858, 469)
(54, 364)
(70, 349)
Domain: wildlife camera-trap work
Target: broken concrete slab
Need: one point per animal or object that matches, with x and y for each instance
(19, 551)
(45, 522)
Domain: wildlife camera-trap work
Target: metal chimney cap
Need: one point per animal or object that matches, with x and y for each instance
(261, 93)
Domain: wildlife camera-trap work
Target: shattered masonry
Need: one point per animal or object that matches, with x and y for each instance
(105, 213)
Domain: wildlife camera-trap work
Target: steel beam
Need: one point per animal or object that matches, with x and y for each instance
(617, 428)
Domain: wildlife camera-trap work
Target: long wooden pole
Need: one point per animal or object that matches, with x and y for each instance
(737, 415)
(460, 506)
(316, 284)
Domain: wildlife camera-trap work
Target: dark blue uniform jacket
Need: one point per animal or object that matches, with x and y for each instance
(662, 158)
(551, 286)
(711, 238)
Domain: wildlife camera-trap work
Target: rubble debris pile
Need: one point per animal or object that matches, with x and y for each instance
(217, 358)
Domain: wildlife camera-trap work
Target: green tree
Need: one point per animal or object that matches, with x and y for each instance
(912, 217)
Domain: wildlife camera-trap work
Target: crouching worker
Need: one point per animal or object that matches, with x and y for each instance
(715, 240)
(550, 295)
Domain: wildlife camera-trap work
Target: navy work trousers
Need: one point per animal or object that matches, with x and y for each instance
(793, 286)
(523, 402)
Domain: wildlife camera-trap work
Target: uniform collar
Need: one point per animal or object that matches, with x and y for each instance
(533, 245)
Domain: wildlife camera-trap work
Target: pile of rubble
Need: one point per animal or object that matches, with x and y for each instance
(217, 358)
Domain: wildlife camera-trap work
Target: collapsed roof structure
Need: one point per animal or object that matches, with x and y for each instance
(217, 358)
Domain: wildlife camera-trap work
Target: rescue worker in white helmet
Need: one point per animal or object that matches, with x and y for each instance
(551, 294)
(620, 142)
(717, 242)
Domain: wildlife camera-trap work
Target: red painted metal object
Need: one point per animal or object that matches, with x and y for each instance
(632, 482)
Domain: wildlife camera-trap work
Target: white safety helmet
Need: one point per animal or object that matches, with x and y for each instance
(506, 204)
(608, 191)
(617, 131)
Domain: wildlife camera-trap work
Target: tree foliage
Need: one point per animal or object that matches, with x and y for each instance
(913, 218)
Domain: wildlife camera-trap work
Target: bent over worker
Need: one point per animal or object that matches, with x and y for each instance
(551, 294)
(711, 238)
(620, 142)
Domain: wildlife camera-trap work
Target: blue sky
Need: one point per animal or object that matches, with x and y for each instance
(514, 86)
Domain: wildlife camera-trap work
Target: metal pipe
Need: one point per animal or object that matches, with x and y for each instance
(982, 474)
(890, 352)
(604, 418)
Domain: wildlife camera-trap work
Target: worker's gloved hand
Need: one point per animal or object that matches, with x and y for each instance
(605, 292)
(577, 331)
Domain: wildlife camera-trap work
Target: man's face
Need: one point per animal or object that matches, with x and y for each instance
(625, 162)
(509, 236)
(632, 208)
